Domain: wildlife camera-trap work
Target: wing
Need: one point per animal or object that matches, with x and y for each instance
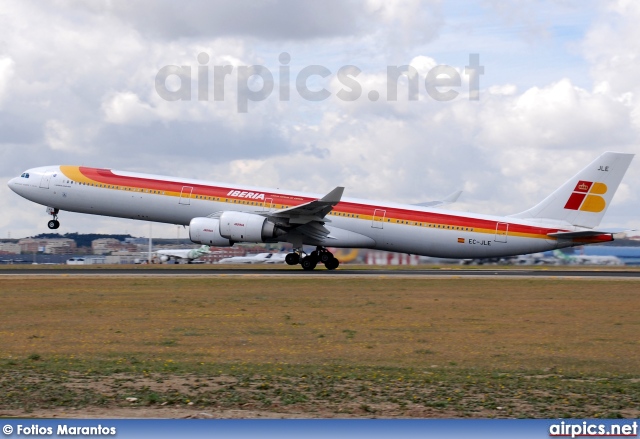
(308, 219)
(312, 211)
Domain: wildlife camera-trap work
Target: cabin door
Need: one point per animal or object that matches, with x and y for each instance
(502, 230)
(378, 218)
(185, 195)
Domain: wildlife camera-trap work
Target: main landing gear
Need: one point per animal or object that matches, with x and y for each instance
(54, 223)
(309, 262)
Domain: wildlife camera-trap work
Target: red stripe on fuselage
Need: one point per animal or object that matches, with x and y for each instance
(439, 218)
(106, 176)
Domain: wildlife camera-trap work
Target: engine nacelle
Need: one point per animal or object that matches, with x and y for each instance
(247, 227)
(206, 231)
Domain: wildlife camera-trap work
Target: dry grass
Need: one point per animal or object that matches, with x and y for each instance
(465, 335)
(572, 324)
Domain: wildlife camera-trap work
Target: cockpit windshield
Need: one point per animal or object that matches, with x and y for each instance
(25, 175)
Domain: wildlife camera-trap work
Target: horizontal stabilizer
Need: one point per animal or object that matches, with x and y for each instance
(616, 233)
(580, 234)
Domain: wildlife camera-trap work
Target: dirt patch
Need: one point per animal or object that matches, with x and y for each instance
(356, 393)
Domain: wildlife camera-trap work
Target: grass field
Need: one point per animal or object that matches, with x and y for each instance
(323, 347)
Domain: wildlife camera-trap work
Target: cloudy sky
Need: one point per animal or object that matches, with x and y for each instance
(560, 86)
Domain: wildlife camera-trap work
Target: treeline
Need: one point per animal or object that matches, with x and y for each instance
(85, 239)
(81, 239)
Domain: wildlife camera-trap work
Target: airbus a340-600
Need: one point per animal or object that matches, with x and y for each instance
(222, 214)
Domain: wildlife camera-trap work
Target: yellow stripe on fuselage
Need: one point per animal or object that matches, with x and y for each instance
(74, 173)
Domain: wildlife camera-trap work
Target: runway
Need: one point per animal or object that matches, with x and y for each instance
(144, 271)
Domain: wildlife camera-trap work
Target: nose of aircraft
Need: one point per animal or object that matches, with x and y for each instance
(20, 184)
(12, 183)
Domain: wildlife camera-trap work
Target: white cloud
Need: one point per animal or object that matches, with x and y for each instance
(7, 71)
(126, 108)
(77, 85)
(559, 115)
(504, 90)
(272, 20)
(407, 22)
(59, 136)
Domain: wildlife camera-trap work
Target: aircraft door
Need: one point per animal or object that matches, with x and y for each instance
(378, 219)
(268, 204)
(185, 195)
(46, 178)
(502, 230)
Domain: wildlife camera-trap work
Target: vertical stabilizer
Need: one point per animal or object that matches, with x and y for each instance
(584, 199)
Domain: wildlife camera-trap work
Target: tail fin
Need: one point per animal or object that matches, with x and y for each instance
(583, 200)
(560, 255)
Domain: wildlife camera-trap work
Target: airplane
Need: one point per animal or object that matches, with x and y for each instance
(586, 259)
(526, 259)
(260, 258)
(536, 259)
(188, 254)
(221, 214)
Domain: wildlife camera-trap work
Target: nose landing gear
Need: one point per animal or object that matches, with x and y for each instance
(54, 223)
(309, 262)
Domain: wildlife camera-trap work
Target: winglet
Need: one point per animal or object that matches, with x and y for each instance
(334, 196)
(314, 210)
(452, 198)
(447, 200)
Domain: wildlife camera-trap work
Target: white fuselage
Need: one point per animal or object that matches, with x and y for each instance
(186, 253)
(260, 258)
(352, 222)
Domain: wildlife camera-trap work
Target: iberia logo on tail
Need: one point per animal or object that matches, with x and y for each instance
(587, 197)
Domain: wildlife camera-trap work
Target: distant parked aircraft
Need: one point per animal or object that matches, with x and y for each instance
(535, 259)
(587, 260)
(186, 254)
(260, 258)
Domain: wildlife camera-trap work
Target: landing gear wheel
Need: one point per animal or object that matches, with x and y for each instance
(326, 256)
(308, 263)
(292, 259)
(332, 264)
(54, 223)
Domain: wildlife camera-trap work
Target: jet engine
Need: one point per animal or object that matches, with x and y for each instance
(247, 227)
(206, 231)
